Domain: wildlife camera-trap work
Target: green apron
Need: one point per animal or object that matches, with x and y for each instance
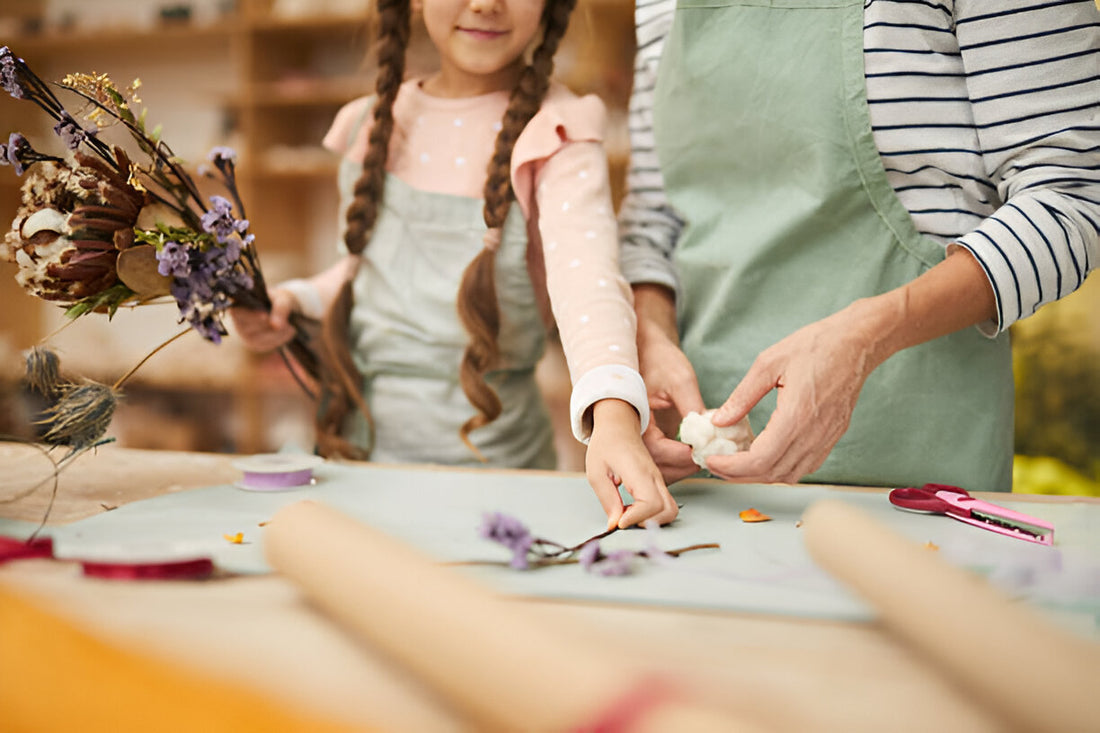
(407, 339)
(790, 217)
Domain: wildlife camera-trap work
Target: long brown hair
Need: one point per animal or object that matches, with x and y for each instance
(477, 304)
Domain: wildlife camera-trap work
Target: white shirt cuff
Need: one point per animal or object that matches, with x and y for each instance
(606, 382)
(307, 295)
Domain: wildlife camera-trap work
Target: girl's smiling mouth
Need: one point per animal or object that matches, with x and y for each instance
(482, 34)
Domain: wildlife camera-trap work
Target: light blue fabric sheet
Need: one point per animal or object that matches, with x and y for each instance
(760, 568)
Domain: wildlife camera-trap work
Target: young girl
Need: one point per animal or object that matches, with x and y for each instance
(427, 227)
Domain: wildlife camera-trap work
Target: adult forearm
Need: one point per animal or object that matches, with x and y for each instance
(655, 306)
(951, 296)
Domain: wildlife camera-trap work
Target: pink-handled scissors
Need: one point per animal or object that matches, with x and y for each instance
(959, 504)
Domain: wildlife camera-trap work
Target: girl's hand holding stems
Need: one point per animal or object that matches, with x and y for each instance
(616, 455)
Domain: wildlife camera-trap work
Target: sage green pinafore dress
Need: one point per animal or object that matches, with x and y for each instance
(407, 339)
(764, 137)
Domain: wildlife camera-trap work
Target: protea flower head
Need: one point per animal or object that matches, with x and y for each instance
(76, 216)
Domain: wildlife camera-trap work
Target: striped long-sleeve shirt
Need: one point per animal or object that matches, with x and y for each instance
(986, 114)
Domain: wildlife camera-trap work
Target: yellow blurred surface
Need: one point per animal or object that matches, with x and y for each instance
(57, 677)
(1046, 475)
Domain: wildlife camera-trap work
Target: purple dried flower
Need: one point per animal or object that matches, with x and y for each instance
(204, 281)
(589, 554)
(509, 532)
(652, 547)
(9, 78)
(221, 154)
(617, 562)
(220, 222)
(174, 260)
(17, 153)
(70, 131)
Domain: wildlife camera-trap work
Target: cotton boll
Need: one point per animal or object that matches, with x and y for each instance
(740, 433)
(697, 429)
(716, 447)
(706, 440)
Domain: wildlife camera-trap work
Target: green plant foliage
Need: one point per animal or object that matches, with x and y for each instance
(1056, 358)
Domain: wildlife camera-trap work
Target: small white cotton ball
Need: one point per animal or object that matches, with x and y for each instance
(740, 433)
(707, 440)
(716, 447)
(696, 429)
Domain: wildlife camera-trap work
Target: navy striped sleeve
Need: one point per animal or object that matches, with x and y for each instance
(1037, 123)
(648, 225)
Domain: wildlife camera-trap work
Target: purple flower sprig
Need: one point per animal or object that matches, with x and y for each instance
(529, 551)
(19, 154)
(220, 220)
(20, 82)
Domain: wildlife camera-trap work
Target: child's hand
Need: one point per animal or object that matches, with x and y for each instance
(265, 331)
(616, 454)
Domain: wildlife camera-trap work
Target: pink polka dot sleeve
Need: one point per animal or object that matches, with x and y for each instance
(562, 175)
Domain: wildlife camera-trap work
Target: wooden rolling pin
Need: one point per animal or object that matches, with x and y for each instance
(1021, 668)
(493, 661)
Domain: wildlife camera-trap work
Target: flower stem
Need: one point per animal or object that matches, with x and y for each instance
(68, 322)
(130, 373)
(548, 560)
(689, 548)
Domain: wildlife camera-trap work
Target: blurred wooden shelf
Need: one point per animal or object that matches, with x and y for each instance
(111, 40)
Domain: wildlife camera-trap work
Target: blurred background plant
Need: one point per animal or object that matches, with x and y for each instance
(1056, 356)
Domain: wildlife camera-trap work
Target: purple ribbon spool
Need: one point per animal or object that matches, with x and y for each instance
(276, 471)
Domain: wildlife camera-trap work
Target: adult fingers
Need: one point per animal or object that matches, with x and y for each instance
(757, 382)
(780, 454)
(672, 457)
(686, 397)
(678, 385)
(771, 457)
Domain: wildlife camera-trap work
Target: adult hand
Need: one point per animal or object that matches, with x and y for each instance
(670, 381)
(616, 456)
(265, 331)
(672, 457)
(671, 386)
(818, 371)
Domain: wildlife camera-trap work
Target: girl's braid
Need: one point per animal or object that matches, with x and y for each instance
(393, 41)
(477, 299)
(340, 379)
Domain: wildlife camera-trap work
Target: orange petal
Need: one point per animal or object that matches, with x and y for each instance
(931, 546)
(751, 515)
(236, 539)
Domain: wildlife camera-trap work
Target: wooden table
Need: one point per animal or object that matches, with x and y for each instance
(800, 675)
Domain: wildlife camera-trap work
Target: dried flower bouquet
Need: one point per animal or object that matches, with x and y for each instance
(98, 229)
